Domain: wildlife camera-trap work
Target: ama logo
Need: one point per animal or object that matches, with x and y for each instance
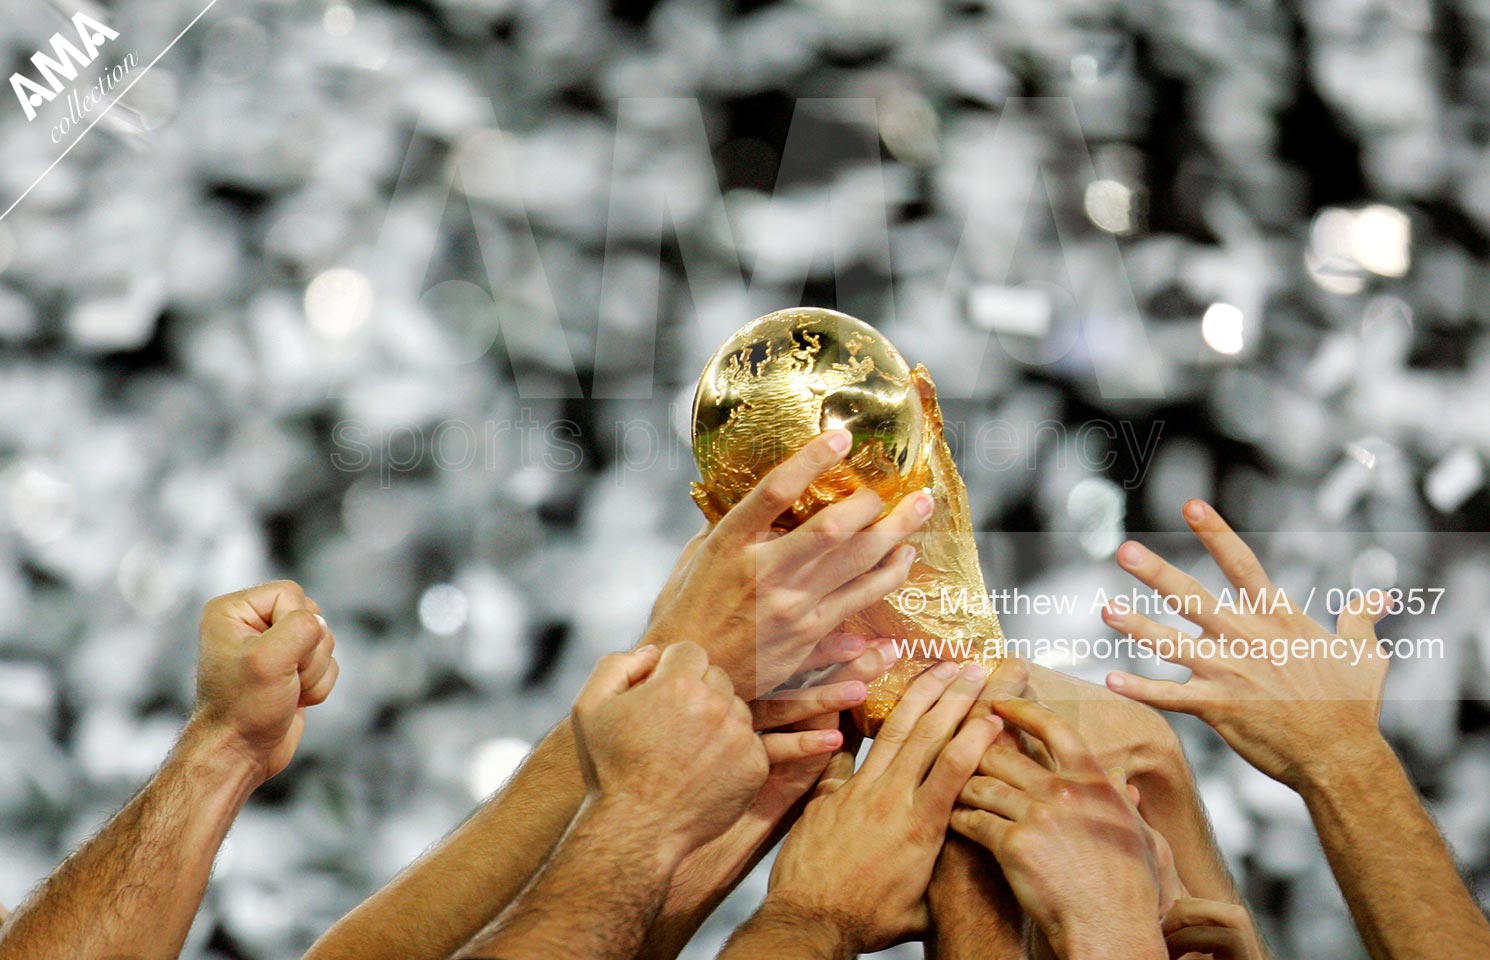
(62, 65)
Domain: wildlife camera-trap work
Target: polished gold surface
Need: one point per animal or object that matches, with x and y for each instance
(783, 379)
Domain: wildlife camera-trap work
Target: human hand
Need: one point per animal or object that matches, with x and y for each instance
(1291, 721)
(972, 910)
(663, 738)
(861, 856)
(825, 687)
(1071, 844)
(1196, 929)
(1171, 887)
(801, 729)
(265, 655)
(761, 602)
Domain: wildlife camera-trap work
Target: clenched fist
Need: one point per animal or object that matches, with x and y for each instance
(266, 655)
(664, 739)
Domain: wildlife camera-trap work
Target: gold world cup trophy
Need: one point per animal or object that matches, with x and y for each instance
(781, 380)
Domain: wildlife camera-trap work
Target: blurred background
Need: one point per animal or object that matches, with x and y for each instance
(406, 301)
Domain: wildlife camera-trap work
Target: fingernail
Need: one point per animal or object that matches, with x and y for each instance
(923, 504)
(855, 690)
(649, 648)
(1130, 554)
(1194, 511)
(974, 671)
(998, 723)
(851, 644)
(322, 621)
(839, 440)
(1115, 681)
(945, 670)
(1114, 615)
(888, 653)
(828, 738)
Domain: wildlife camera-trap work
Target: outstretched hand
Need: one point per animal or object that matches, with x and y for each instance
(1284, 715)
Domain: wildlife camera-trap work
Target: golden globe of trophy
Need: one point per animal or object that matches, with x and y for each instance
(781, 380)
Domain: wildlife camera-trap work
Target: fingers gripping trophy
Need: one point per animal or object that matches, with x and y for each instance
(781, 380)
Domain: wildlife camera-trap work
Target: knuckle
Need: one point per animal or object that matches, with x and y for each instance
(1015, 672)
(707, 705)
(832, 526)
(1248, 566)
(923, 733)
(302, 622)
(782, 606)
(260, 664)
(767, 713)
(775, 493)
(287, 587)
(1064, 792)
(1042, 818)
(892, 732)
(963, 755)
(1020, 843)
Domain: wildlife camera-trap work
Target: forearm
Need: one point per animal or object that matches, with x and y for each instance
(702, 881)
(780, 931)
(594, 900)
(1392, 865)
(442, 900)
(974, 915)
(135, 887)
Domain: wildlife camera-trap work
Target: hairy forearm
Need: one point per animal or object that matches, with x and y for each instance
(442, 900)
(974, 915)
(134, 888)
(593, 900)
(1392, 865)
(781, 931)
(702, 881)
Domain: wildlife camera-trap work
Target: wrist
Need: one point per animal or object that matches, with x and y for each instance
(624, 822)
(218, 758)
(815, 932)
(1347, 768)
(1135, 940)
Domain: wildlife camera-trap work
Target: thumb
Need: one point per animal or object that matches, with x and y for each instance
(1358, 619)
(618, 672)
(293, 637)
